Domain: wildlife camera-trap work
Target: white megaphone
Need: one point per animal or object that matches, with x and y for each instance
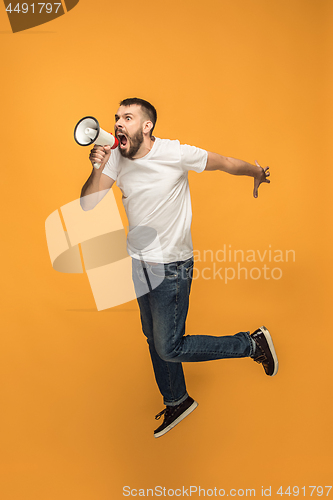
(87, 131)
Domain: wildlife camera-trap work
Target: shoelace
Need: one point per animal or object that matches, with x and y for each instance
(167, 411)
(260, 358)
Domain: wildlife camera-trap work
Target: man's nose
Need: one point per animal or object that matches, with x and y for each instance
(119, 124)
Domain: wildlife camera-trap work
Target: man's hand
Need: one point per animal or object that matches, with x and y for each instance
(260, 177)
(238, 167)
(100, 154)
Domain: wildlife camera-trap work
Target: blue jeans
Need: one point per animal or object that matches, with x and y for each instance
(163, 315)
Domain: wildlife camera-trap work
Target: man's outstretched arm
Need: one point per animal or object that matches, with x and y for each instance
(238, 167)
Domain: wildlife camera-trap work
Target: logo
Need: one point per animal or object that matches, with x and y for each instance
(23, 16)
(94, 242)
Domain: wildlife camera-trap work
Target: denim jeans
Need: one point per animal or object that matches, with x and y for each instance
(163, 315)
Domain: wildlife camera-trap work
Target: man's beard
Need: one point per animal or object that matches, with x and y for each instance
(135, 144)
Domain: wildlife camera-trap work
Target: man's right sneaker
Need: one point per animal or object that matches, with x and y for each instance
(173, 415)
(265, 352)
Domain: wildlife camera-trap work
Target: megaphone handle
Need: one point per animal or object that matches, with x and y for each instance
(96, 165)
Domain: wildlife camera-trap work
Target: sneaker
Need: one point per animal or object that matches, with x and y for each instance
(173, 415)
(265, 352)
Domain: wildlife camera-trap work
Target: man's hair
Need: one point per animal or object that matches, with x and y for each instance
(148, 108)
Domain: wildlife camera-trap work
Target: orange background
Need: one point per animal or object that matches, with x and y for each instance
(250, 79)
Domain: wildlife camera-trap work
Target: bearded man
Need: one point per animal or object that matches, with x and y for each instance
(152, 175)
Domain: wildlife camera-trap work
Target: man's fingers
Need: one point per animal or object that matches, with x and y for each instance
(263, 178)
(96, 156)
(266, 170)
(255, 189)
(99, 150)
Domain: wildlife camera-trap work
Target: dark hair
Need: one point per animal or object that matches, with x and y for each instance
(147, 107)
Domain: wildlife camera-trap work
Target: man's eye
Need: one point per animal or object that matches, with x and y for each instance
(128, 118)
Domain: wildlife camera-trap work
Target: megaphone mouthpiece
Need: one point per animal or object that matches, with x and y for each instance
(90, 132)
(87, 131)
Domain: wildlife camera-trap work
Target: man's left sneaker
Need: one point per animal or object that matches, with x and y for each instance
(265, 352)
(173, 415)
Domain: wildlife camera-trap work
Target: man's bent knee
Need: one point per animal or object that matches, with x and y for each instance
(169, 355)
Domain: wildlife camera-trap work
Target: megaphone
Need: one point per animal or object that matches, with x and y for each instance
(87, 131)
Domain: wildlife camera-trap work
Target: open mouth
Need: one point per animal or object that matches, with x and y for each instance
(122, 140)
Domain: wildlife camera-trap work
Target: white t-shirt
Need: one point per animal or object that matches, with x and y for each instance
(156, 198)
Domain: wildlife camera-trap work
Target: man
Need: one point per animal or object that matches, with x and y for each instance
(152, 174)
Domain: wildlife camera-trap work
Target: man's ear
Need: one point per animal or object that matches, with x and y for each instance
(147, 126)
